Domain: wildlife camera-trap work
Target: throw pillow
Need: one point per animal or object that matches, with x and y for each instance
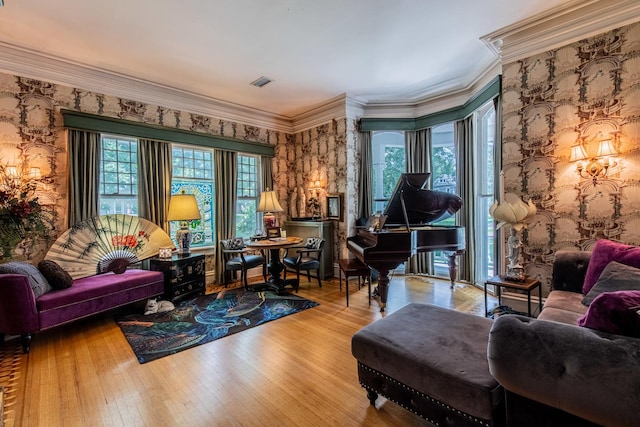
(614, 277)
(56, 275)
(614, 312)
(38, 282)
(603, 253)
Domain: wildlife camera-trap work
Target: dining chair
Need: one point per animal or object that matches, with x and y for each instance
(238, 258)
(307, 258)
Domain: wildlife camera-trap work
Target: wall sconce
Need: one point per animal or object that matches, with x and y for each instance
(599, 165)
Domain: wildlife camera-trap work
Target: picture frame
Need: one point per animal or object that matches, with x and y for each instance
(335, 208)
(273, 232)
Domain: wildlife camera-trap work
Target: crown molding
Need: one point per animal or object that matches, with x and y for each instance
(37, 65)
(561, 26)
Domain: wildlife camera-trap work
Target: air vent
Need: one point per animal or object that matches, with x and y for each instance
(261, 81)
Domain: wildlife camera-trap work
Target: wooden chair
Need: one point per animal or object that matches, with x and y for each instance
(238, 258)
(307, 258)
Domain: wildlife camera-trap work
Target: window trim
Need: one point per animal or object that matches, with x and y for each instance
(111, 125)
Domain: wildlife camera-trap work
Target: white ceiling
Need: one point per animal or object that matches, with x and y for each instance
(313, 50)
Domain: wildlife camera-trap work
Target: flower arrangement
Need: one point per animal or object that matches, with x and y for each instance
(22, 216)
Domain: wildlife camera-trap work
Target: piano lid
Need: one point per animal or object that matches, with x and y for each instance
(412, 204)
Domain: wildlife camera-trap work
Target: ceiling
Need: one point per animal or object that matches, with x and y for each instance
(394, 51)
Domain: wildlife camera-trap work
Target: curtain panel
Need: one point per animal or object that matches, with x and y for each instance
(463, 135)
(365, 182)
(84, 175)
(154, 181)
(417, 146)
(226, 188)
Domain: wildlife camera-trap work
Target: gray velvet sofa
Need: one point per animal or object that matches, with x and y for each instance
(556, 373)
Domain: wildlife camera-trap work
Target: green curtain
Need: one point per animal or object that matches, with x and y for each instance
(417, 148)
(154, 181)
(365, 195)
(84, 175)
(226, 189)
(463, 134)
(267, 172)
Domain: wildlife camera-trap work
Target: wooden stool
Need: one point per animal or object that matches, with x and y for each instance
(354, 267)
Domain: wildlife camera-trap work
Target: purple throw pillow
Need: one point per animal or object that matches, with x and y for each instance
(603, 253)
(614, 312)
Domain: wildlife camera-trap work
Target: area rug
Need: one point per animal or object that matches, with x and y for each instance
(204, 319)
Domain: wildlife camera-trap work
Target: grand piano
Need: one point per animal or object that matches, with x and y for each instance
(408, 230)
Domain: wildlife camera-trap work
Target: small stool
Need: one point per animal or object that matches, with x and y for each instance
(354, 267)
(433, 362)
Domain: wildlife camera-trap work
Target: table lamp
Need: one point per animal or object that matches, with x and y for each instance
(184, 208)
(269, 204)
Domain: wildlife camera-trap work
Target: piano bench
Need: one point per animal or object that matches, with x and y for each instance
(354, 268)
(433, 362)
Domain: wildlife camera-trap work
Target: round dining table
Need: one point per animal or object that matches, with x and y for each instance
(273, 245)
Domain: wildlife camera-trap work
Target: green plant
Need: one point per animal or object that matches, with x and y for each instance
(22, 216)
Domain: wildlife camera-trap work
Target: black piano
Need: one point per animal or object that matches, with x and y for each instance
(407, 230)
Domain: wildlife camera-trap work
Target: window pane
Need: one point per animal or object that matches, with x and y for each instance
(443, 178)
(248, 221)
(388, 159)
(195, 177)
(118, 175)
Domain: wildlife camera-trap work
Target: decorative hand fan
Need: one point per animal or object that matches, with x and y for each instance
(107, 243)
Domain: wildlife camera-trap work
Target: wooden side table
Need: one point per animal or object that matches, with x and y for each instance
(526, 285)
(183, 275)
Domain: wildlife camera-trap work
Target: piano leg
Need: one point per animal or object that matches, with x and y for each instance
(383, 287)
(453, 266)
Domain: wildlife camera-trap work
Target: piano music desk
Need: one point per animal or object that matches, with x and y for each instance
(352, 268)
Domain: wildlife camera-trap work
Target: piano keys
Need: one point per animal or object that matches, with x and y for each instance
(407, 230)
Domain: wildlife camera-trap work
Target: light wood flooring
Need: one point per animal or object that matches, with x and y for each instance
(295, 371)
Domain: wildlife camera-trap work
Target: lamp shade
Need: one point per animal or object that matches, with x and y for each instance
(577, 153)
(183, 207)
(605, 148)
(269, 202)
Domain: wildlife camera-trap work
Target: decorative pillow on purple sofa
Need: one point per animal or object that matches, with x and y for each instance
(603, 253)
(38, 282)
(58, 277)
(614, 312)
(614, 277)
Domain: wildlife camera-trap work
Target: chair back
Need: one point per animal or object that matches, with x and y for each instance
(315, 243)
(232, 244)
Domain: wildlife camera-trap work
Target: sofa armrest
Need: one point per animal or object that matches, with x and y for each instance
(18, 312)
(592, 375)
(569, 270)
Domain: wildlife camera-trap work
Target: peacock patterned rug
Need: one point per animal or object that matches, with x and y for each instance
(204, 319)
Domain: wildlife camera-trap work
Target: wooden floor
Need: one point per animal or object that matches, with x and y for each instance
(296, 371)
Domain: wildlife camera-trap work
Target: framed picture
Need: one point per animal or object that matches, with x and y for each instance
(273, 232)
(334, 206)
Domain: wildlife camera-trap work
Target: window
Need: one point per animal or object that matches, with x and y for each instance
(118, 175)
(387, 155)
(443, 178)
(193, 174)
(485, 190)
(247, 219)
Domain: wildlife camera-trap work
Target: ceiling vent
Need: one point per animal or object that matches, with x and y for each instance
(261, 81)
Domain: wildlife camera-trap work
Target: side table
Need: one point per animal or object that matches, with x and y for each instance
(183, 275)
(526, 285)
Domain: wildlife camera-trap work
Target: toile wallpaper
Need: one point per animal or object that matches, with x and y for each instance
(585, 92)
(31, 134)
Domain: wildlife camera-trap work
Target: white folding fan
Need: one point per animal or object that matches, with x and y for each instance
(107, 243)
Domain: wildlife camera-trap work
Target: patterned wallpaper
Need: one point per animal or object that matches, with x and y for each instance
(31, 132)
(581, 93)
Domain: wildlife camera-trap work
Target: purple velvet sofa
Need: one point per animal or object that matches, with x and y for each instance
(21, 313)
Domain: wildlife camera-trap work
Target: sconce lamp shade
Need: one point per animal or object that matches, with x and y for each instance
(184, 208)
(578, 153)
(606, 148)
(269, 204)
